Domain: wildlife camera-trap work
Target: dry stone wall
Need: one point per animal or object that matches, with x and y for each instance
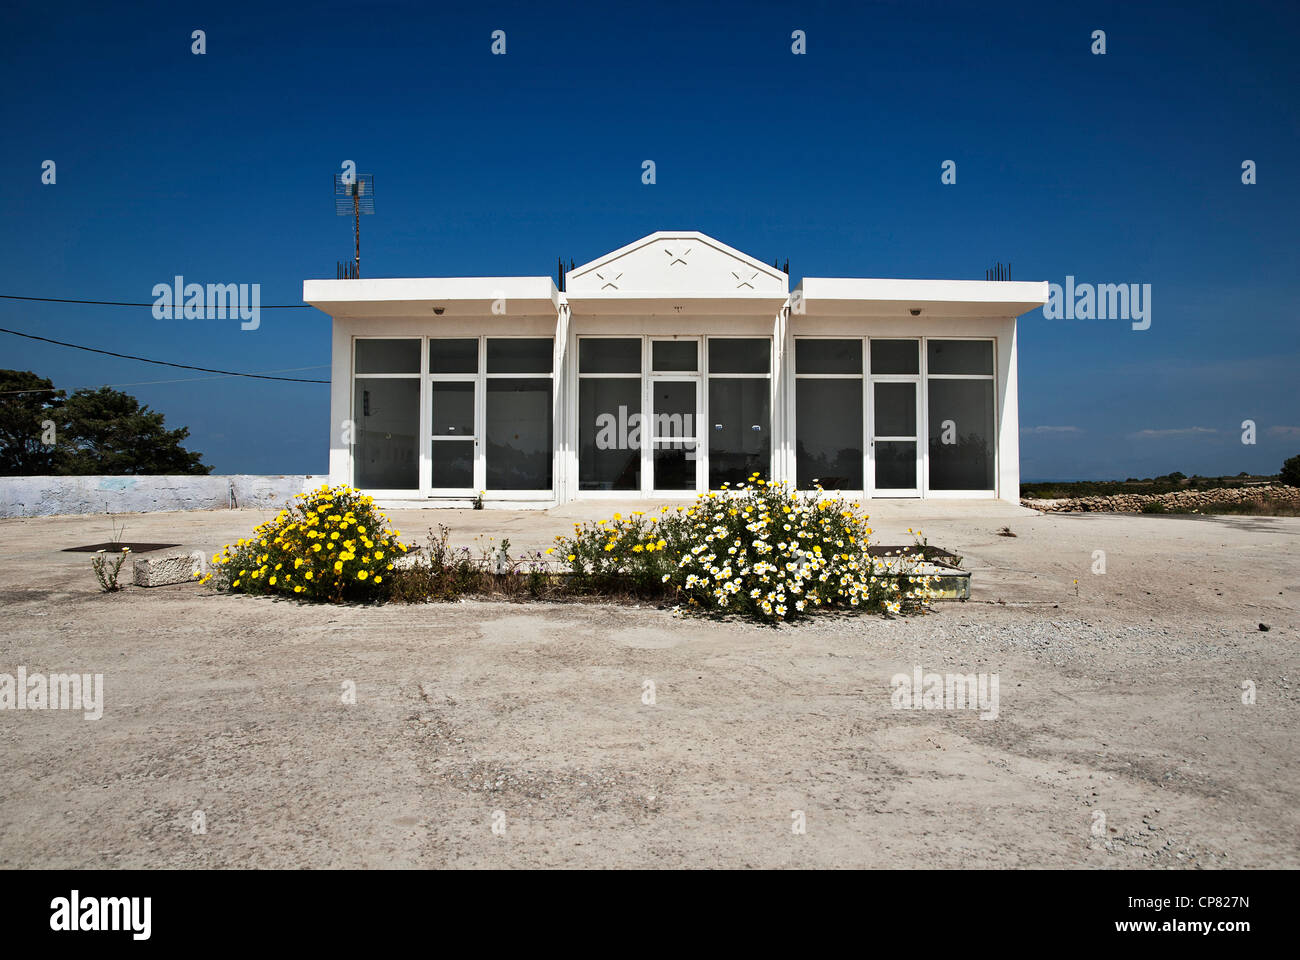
(1178, 500)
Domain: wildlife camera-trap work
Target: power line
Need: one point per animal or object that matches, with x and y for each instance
(123, 303)
(161, 363)
(150, 383)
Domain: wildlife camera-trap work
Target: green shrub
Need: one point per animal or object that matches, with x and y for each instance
(332, 546)
(107, 573)
(1291, 471)
(761, 550)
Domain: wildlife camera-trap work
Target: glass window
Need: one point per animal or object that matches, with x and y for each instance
(895, 356)
(453, 464)
(453, 356)
(828, 356)
(386, 452)
(609, 433)
(740, 437)
(895, 409)
(828, 433)
(388, 356)
(599, 355)
(453, 409)
(961, 434)
(959, 357)
(740, 356)
(674, 356)
(674, 409)
(518, 433)
(674, 465)
(895, 464)
(519, 355)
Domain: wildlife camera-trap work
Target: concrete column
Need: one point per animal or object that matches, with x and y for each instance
(1008, 414)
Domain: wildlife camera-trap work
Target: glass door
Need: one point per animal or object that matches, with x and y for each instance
(894, 448)
(674, 434)
(454, 442)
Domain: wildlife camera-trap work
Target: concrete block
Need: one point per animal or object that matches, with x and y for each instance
(160, 571)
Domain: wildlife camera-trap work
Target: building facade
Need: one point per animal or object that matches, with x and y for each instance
(668, 367)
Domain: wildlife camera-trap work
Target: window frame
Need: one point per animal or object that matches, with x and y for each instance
(922, 379)
(860, 377)
(425, 490)
(980, 494)
(578, 377)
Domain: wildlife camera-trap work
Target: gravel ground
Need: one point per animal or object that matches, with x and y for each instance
(1121, 739)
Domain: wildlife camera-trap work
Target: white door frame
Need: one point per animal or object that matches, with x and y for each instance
(917, 380)
(479, 469)
(649, 422)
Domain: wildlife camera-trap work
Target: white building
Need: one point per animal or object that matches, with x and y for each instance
(669, 367)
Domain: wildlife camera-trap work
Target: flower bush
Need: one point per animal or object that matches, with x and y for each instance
(333, 545)
(761, 550)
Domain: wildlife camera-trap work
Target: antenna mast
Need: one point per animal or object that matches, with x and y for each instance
(353, 194)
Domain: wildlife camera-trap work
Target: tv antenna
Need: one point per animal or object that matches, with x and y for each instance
(354, 193)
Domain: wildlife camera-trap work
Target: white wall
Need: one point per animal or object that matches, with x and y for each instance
(568, 328)
(49, 496)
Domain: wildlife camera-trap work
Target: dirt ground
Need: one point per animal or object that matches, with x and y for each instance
(1125, 700)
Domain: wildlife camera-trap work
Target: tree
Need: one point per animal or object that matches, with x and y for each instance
(1291, 471)
(107, 431)
(28, 406)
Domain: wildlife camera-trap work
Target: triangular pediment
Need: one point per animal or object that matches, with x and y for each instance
(683, 263)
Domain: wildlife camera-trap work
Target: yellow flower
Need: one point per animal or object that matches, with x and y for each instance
(271, 581)
(361, 574)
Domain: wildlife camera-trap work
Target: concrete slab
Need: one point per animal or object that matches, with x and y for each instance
(164, 571)
(1121, 692)
(949, 582)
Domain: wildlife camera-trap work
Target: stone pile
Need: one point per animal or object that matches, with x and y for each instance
(1178, 500)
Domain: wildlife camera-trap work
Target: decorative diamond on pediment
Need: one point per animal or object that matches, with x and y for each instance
(609, 279)
(677, 254)
(745, 278)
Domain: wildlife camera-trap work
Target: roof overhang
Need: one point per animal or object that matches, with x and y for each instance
(845, 297)
(434, 296)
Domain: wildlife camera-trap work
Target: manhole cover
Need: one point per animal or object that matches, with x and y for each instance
(116, 547)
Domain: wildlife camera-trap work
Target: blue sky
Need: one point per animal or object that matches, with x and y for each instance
(1122, 168)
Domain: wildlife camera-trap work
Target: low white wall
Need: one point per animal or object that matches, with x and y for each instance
(47, 496)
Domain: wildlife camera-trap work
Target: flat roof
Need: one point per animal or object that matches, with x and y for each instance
(417, 296)
(538, 296)
(843, 296)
